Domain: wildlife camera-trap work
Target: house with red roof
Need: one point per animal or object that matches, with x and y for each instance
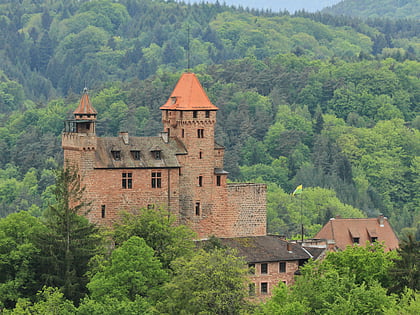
(339, 233)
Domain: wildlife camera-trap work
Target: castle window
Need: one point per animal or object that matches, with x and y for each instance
(157, 155)
(156, 179)
(127, 180)
(264, 287)
(136, 155)
(218, 180)
(251, 269)
(200, 155)
(207, 114)
(116, 155)
(200, 133)
(264, 268)
(183, 133)
(197, 208)
(282, 266)
(194, 114)
(373, 239)
(150, 207)
(356, 240)
(200, 181)
(103, 211)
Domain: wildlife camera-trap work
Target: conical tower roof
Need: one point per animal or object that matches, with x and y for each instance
(85, 107)
(188, 94)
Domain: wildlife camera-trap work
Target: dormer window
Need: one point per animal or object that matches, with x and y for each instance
(116, 155)
(173, 100)
(157, 155)
(135, 154)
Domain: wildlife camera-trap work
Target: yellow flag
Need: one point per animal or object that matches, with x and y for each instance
(298, 190)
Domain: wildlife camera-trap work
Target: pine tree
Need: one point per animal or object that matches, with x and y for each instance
(70, 239)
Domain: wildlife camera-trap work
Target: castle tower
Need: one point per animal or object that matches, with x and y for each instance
(190, 117)
(79, 136)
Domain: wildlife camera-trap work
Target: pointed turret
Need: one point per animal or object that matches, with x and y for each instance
(188, 94)
(85, 109)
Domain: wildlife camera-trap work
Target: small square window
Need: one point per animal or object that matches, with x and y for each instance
(116, 155)
(264, 268)
(264, 287)
(356, 240)
(282, 266)
(136, 155)
(157, 155)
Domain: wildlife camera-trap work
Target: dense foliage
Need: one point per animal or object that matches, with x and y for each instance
(375, 8)
(329, 102)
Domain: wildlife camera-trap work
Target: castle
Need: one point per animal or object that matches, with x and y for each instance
(181, 169)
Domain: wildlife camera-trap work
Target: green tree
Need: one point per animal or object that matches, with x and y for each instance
(324, 289)
(406, 272)
(157, 227)
(17, 257)
(69, 239)
(132, 276)
(211, 282)
(49, 301)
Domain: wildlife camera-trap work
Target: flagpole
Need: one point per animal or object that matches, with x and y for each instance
(301, 217)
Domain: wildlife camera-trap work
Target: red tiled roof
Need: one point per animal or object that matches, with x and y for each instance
(85, 107)
(342, 231)
(188, 94)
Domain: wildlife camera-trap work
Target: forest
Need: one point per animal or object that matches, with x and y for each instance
(330, 102)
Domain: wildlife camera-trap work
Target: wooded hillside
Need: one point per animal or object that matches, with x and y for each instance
(328, 102)
(397, 9)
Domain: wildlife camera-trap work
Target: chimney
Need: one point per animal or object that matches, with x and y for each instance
(289, 247)
(381, 219)
(164, 136)
(124, 136)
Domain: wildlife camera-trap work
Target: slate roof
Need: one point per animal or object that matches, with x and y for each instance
(188, 94)
(342, 231)
(85, 106)
(146, 146)
(269, 248)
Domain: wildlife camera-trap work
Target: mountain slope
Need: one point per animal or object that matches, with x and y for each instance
(399, 9)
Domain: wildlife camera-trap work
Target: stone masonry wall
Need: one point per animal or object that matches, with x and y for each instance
(247, 202)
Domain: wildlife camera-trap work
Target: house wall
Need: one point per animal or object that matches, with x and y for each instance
(273, 276)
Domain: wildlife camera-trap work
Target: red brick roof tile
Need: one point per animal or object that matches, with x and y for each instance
(342, 231)
(85, 107)
(188, 94)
